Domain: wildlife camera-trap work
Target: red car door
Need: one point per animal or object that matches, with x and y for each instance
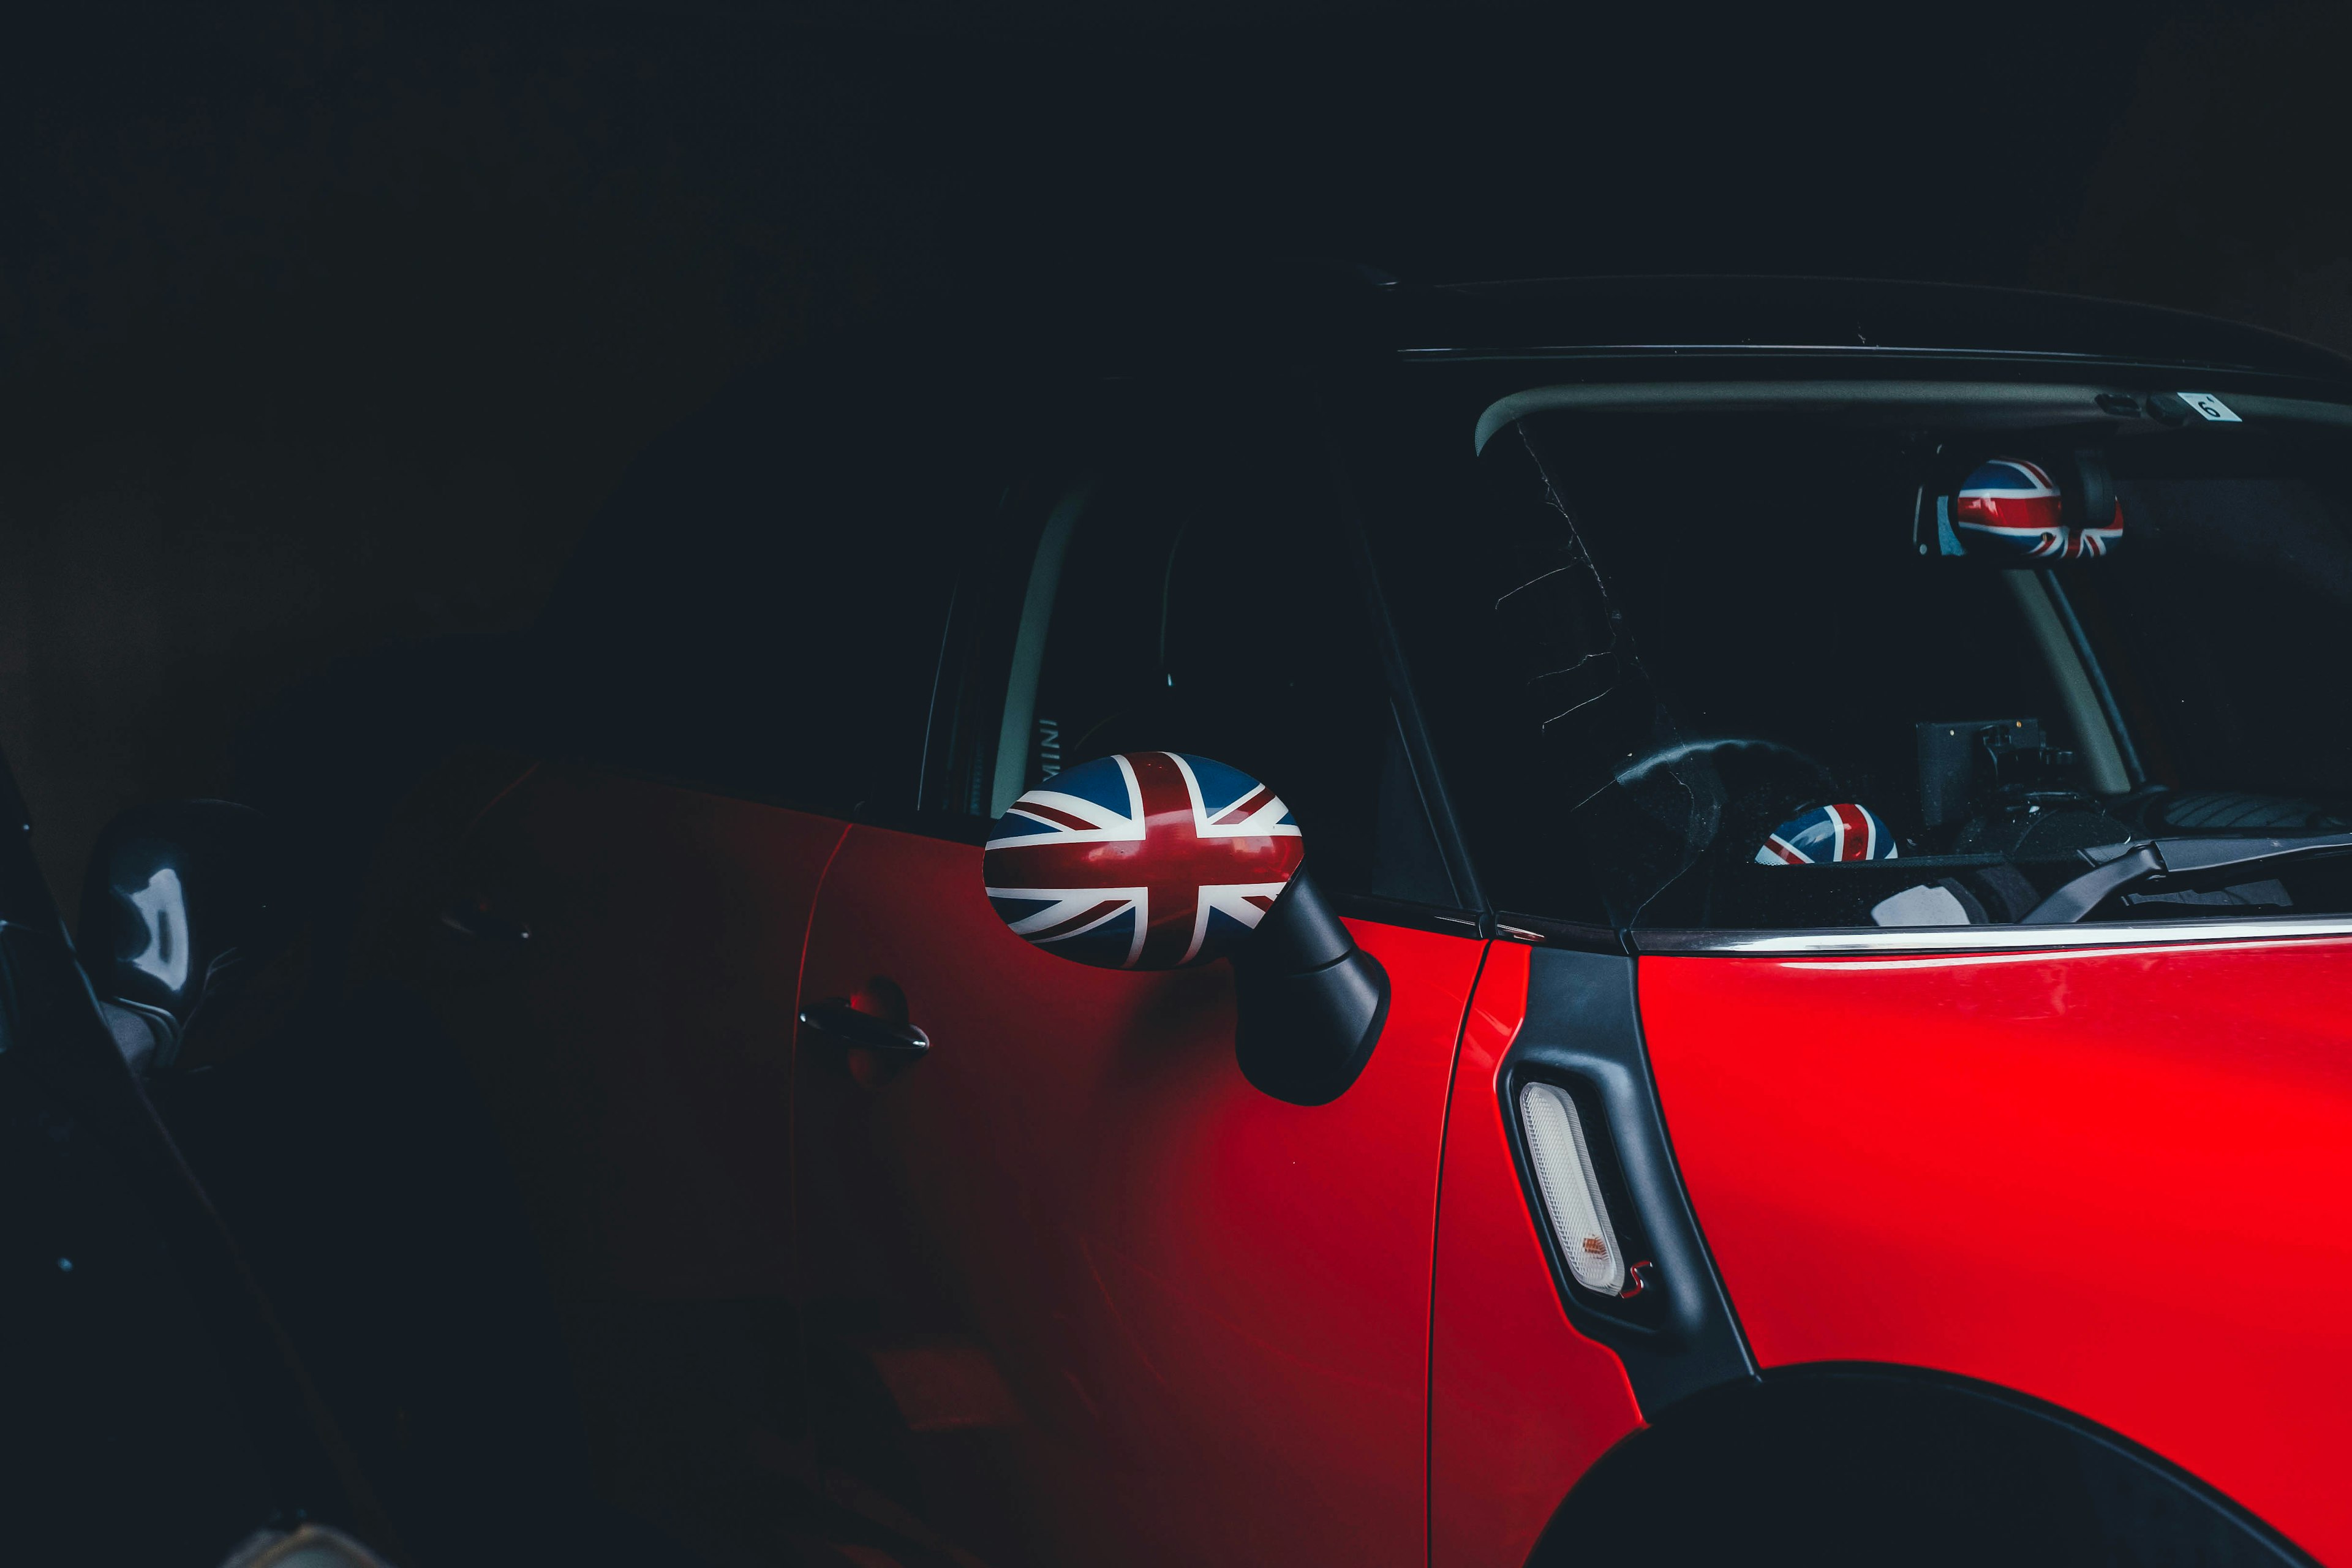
(627, 909)
(635, 1055)
(1088, 1295)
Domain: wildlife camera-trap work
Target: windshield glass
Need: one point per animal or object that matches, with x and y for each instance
(1754, 669)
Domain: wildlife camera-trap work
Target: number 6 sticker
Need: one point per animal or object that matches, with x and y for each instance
(2212, 407)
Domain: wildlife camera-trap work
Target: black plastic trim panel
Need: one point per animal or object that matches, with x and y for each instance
(1583, 1032)
(1512, 927)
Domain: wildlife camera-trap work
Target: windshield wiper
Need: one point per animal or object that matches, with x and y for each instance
(2115, 867)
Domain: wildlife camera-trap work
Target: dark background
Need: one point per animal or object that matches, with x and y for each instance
(325, 326)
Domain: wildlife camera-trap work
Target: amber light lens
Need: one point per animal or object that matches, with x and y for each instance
(1571, 1194)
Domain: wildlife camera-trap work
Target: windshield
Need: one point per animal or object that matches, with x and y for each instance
(1754, 668)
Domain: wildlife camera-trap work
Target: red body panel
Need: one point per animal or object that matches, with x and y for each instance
(641, 1061)
(1211, 1308)
(2119, 1181)
(1521, 1404)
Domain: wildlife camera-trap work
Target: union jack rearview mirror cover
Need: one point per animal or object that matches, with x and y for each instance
(1141, 860)
(2011, 506)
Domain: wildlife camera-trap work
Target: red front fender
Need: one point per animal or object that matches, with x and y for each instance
(2115, 1180)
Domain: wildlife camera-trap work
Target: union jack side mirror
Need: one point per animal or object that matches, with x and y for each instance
(1153, 861)
(1141, 860)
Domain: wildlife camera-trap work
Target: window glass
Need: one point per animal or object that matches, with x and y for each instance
(1788, 671)
(1210, 600)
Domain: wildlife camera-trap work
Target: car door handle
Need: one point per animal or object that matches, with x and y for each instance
(836, 1017)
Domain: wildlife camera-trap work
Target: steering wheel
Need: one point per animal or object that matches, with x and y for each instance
(1754, 783)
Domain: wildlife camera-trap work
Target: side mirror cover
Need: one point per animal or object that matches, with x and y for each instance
(185, 905)
(1162, 861)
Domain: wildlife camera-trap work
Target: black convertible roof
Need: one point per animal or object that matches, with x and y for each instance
(1585, 315)
(1085, 324)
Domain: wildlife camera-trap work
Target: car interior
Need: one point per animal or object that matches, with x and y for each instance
(2004, 705)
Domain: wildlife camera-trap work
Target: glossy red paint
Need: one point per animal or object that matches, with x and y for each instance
(1211, 1308)
(2116, 1180)
(640, 1063)
(1521, 1404)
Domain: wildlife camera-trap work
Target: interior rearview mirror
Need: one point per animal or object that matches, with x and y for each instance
(1153, 861)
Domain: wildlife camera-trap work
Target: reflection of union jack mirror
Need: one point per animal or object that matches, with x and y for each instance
(1143, 861)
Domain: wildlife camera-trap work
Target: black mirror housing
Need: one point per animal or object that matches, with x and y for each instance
(1310, 1003)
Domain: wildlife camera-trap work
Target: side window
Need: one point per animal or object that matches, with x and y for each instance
(1526, 675)
(757, 610)
(1205, 596)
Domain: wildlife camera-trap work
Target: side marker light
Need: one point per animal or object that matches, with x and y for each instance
(1571, 1194)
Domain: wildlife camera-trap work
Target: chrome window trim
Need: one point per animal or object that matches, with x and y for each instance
(1874, 940)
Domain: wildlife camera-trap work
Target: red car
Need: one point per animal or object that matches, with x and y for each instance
(1592, 921)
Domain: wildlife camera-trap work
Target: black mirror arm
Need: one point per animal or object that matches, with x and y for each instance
(1310, 1003)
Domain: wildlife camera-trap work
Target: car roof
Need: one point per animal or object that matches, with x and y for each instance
(1572, 316)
